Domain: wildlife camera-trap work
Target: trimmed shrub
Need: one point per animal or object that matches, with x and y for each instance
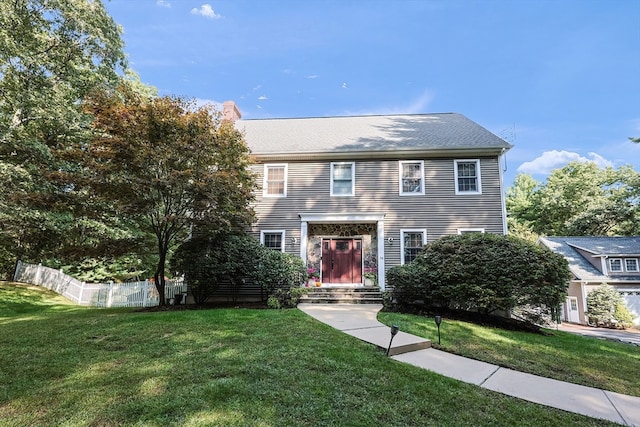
(278, 270)
(208, 261)
(487, 273)
(285, 298)
(605, 307)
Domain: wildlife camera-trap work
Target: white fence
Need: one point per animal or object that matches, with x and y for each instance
(132, 294)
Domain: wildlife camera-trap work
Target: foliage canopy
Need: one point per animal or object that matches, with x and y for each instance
(166, 165)
(580, 199)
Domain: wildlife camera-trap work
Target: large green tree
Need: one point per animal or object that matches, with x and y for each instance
(52, 54)
(168, 166)
(579, 199)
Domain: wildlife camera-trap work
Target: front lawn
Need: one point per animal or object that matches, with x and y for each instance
(560, 355)
(64, 365)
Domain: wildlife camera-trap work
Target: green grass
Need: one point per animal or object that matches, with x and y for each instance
(64, 365)
(560, 355)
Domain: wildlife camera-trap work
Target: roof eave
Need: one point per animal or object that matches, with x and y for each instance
(378, 154)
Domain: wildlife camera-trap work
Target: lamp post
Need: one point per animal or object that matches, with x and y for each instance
(394, 331)
(438, 320)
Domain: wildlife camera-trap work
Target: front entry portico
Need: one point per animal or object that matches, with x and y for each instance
(344, 248)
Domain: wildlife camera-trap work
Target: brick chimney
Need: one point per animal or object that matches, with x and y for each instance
(230, 111)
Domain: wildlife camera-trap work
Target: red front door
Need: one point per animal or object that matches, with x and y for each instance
(342, 260)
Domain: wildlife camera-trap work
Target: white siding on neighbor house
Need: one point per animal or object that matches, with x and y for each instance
(440, 211)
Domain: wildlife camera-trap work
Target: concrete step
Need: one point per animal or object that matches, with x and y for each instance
(342, 295)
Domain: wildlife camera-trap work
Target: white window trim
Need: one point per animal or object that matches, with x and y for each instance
(455, 176)
(411, 230)
(470, 230)
(625, 265)
(422, 182)
(281, 232)
(265, 176)
(611, 270)
(353, 179)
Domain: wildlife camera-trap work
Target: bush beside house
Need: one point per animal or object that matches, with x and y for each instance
(606, 308)
(485, 273)
(208, 262)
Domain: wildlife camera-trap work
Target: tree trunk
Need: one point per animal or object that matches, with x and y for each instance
(159, 278)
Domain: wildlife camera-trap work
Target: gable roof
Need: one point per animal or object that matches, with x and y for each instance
(373, 136)
(582, 269)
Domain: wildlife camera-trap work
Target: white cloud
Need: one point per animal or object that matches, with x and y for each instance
(344, 86)
(207, 11)
(163, 3)
(262, 97)
(312, 76)
(554, 159)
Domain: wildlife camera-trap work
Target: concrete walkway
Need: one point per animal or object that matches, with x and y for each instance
(361, 322)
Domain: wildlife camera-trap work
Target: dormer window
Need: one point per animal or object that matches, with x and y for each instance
(631, 264)
(615, 265)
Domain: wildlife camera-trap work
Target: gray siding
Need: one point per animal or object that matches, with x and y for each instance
(440, 211)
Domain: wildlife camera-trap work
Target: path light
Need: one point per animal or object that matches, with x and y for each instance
(438, 320)
(394, 331)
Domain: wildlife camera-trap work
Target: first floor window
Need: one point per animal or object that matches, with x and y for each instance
(467, 176)
(615, 264)
(412, 242)
(631, 264)
(273, 239)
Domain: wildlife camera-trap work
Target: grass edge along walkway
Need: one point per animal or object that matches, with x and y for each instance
(587, 361)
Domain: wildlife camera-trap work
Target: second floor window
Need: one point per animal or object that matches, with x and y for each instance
(275, 181)
(412, 242)
(411, 178)
(467, 175)
(343, 179)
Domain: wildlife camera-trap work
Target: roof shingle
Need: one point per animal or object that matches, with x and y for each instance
(419, 132)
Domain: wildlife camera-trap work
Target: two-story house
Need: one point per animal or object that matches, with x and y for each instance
(354, 196)
(597, 260)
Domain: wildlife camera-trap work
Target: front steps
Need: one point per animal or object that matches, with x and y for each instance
(343, 295)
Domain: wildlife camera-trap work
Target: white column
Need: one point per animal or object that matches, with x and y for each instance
(304, 229)
(381, 275)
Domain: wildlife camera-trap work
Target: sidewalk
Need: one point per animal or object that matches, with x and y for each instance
(360, 321)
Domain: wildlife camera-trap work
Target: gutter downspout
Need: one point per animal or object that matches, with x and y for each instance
(503, 203)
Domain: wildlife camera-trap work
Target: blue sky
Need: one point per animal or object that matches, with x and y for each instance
(559, 79)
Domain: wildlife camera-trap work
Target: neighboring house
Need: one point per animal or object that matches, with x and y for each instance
(597, 260)
(354, 196)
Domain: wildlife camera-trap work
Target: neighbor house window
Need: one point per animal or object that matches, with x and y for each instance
(343, 179)
(275, 181)
(273, 239)
(615, 264)
(467, 175)
(411, 178)
(631, 264)
(411, 242)
(470, 230)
